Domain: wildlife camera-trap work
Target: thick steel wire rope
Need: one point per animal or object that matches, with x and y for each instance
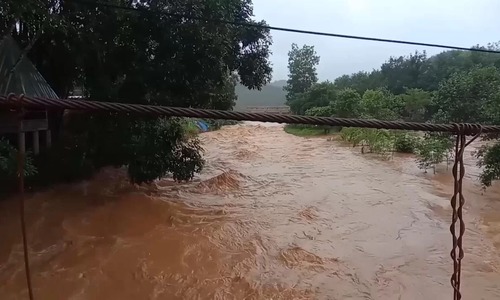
(13, 102)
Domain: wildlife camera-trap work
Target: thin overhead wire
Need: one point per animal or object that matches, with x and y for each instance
(275, 28)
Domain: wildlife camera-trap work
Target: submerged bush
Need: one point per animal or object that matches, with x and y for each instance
(405, 142)
(432, 150)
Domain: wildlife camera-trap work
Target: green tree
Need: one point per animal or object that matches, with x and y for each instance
(469, 97)
(489, 160)
(473, 97)
(405, 72)
(321, 111)
(381, 104)
(302, 75)
(416, 105)
(320, 94)
(347, 104)
(361, 81)
(146, 58)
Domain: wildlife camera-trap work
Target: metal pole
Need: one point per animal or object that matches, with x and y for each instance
(20, 171)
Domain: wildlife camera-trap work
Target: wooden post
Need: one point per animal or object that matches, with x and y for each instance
(48, 139)
(36, 142)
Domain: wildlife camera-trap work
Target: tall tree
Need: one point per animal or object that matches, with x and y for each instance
(302, 74)
(142, 57)
(347, 104)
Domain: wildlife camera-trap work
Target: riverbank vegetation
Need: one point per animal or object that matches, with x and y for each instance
(308, 130)
(132, 57)
(450, 87)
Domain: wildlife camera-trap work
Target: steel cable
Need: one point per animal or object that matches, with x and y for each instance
(13, 102)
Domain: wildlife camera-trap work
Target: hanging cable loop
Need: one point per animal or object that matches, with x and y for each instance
(20, 174)
(458, 201)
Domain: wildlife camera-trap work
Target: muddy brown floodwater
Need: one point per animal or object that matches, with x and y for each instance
(273, 216)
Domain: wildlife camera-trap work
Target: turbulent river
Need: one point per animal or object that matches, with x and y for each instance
(273, 216)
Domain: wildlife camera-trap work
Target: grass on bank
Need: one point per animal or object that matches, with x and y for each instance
(310, 130)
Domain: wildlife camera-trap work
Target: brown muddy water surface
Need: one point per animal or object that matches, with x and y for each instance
(273, 216)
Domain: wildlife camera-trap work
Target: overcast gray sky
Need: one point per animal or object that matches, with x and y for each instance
(455, 22)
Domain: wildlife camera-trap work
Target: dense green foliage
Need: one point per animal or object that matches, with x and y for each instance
(147, 58)
(317, 95)
(470, 96)
(302, 75)
(433, 150)
(405, 142)
(489, 158)
(322, 111)
(453, 86)
(347, 103)
(371, 140)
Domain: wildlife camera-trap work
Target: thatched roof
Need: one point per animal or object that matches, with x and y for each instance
(25, 79)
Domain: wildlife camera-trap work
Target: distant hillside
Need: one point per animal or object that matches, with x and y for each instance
(270, 95)
(280, 83)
